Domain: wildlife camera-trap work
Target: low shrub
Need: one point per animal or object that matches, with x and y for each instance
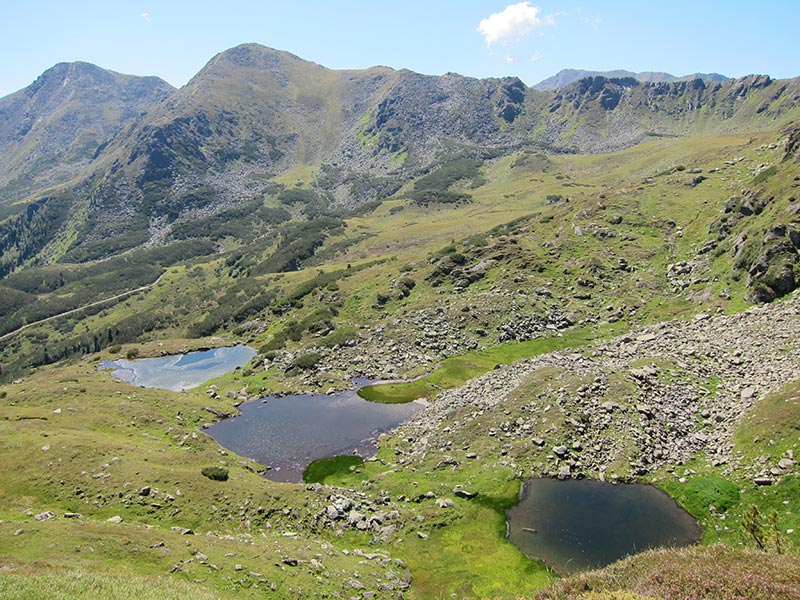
(307, 361)
(215, 473)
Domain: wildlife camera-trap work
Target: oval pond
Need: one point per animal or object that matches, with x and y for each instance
(575, 525)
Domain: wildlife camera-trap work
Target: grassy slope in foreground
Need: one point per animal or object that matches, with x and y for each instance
(82, 585)
(698, 572)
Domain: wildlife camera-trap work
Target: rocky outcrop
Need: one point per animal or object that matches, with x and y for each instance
(648, 400)
(776, 271)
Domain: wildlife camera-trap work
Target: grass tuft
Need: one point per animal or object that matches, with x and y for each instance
(319, 470)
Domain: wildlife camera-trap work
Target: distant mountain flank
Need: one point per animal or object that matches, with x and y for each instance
(56, 126)
(567, 76)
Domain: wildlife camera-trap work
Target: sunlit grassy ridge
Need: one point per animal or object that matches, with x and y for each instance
(701, 572)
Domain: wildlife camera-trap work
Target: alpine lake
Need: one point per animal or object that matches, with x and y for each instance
(570, 525)
(286, 433)
(581, 524)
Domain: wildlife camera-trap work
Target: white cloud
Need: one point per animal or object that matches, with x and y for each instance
(145, 16)
(535, 56)
(514, 23)
(510, 59)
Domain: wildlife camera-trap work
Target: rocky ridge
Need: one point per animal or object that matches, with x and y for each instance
(59, 124)
(568, 76)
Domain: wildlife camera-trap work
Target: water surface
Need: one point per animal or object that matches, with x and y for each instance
(180, 371)
(290, 432)
(576, 525)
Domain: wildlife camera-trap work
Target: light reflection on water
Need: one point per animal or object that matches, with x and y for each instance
(181, 371)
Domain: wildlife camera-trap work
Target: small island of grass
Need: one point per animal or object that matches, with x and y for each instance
(319, 470)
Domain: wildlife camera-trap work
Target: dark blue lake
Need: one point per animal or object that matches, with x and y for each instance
(288, 433)
(575, 525)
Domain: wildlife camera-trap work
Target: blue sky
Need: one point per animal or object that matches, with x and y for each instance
(531, 40)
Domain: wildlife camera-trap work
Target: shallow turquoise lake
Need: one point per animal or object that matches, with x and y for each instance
(180, 371)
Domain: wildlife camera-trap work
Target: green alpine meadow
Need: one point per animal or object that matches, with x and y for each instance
(592, 278)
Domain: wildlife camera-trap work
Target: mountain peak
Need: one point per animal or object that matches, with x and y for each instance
(63, 117)
(64, 73)
(255, 56)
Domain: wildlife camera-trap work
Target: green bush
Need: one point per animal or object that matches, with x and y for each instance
(427, 197)
(307, 361)
(132, 353)
(405, 285)
(458, 258)
(339, 337)
(450, 172)
(215, 473)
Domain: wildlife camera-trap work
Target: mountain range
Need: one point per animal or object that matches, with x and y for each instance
(597, 282)
(100, 163)
(566, 76)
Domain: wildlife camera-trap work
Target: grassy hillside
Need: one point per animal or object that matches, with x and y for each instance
(703, 572)
(589, 271)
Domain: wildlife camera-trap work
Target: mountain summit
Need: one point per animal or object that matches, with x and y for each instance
(53, 128)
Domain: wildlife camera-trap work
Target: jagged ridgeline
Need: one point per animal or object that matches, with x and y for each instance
(93, 163)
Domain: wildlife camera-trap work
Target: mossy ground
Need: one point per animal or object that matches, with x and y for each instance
(320, 470)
